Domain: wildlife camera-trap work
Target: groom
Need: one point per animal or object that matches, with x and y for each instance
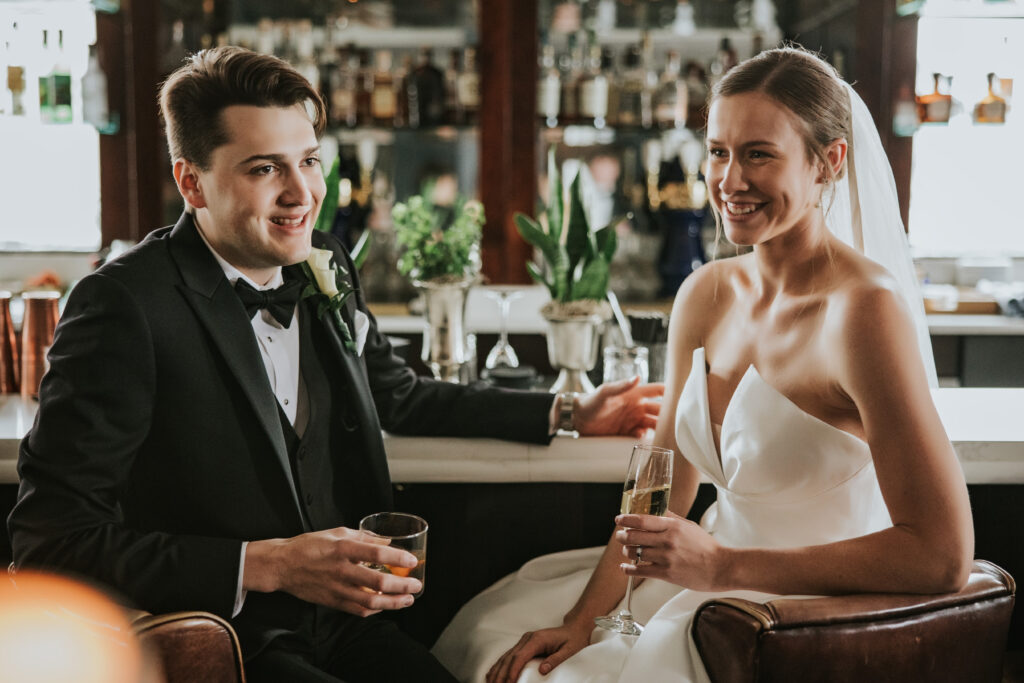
(205, 441)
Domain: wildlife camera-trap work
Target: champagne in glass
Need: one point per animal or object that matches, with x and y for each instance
(646, 492)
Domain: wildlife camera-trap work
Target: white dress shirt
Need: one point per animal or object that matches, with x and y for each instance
(279, 347)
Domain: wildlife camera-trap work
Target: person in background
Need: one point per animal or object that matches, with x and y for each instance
(798, 384)
(207, 441)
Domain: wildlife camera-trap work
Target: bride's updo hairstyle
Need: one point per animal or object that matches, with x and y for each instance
(802, 83)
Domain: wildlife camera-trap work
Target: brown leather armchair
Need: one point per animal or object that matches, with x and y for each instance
(879, 638)
(191, 646)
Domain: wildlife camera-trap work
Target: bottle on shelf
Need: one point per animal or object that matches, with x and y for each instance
(608, 69)
(429, 84)
(468, 89)
(305, 53)
(572, 73)
(265, 42)
(364, 92)
(650, 82)
(593, 91)
(176, 53)
(992, 107)
(549, 87)
(94, 93)
(15, 76)
(46, 100)
(936, 106)
(631, 86)
(383, 102)
(451, 88)
(671, 102)
(724, 60)
(697, 92)
(406, 107)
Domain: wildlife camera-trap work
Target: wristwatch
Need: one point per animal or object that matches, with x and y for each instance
(565, 411)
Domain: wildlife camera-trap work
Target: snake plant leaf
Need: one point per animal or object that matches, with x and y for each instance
(329, 206)
(578, 236)
(593, 282)
(539, 278)
(535, 235)
(555, 197)
(362, 248)
(608, 240)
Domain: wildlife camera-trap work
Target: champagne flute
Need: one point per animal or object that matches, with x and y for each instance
(646, 492)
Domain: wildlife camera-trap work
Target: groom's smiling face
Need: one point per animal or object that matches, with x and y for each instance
(261, 194)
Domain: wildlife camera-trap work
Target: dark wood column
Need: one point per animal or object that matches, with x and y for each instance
(508, 140)
(129, 185)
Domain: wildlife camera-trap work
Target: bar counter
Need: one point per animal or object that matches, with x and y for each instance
(984, 425)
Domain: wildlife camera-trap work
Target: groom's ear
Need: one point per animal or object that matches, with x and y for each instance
(186, 176)
(835, 156)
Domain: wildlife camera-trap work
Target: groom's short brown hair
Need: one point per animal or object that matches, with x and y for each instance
(193, 97)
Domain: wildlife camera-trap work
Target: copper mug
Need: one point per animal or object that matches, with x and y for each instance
(41, 314)
(9, 362)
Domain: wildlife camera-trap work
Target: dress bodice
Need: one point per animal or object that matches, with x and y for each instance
(784, 477)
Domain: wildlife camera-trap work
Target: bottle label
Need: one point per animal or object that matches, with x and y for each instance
(469, 91)
(384, 103)
(594, 98)
(548, 92)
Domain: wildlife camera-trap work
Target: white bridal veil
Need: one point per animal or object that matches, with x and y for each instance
(865, 213)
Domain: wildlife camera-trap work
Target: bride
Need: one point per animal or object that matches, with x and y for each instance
(798, 385)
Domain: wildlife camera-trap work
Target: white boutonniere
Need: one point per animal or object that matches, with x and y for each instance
(328, 282)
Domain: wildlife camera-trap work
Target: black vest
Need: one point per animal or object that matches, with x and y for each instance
(317, 457)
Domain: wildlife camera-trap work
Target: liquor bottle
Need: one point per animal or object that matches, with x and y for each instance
(407, 107)
(572, 74)
(94, 93)
(364, 93)
(46, 99)
(344, 86)
(468, 88)
(305, 53)
(608, 69)
(934, 107)
(630, 89)
(15, 77)
(430, 90)
(671, 100)
(383, 102)
(264, 36)
(650, 82)
(549, 87)
(60, 84)
(992, 107)
(697, 96)
(451, 88)
(176, 53)
(724, 60)
(593, 92)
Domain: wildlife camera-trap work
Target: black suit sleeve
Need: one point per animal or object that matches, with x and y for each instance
(421, 406)
(95, 412)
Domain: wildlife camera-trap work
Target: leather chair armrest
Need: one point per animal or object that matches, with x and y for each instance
(191, 646)
(879, 637)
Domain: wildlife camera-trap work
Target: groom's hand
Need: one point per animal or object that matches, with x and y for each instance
(328, 568)
(625, 408)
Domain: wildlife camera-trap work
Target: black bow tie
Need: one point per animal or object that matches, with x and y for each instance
(280, 302)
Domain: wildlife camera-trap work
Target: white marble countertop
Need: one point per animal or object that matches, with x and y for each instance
(985, 426)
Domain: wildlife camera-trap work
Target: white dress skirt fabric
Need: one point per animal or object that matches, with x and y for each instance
(784, 479)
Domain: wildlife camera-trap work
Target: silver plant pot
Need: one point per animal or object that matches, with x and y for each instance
(572, 350)
(445, 349)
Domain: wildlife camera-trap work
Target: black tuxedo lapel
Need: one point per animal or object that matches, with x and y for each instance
(219, 310)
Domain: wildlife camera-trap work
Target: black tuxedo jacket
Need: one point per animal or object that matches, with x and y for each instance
(158, 446)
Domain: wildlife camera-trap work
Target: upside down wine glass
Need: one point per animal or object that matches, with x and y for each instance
(502, 355)
(646, 492)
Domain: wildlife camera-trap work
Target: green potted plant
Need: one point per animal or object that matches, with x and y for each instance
(441, 255)
(577, 264)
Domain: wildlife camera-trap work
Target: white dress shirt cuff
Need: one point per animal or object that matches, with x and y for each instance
(239, 591)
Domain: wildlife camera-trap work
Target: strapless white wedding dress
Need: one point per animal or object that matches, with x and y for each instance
(784, 479)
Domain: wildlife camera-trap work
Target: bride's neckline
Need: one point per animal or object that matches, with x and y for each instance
(752, 371)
